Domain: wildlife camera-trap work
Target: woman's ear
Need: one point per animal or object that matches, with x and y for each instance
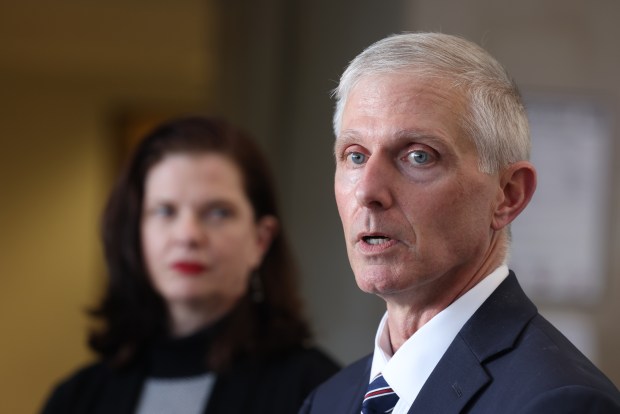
(267, 228)
(517, 186)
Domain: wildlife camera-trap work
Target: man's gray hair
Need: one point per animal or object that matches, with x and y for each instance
(495, 118)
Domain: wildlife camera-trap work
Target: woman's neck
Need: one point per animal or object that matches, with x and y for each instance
(188, 318)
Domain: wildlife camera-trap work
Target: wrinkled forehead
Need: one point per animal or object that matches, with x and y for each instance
(447, 88)
(405, 100)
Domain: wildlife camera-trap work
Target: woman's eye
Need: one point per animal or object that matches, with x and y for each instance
(218, 213)
(419, 157)
(356, 158)
(163, 211)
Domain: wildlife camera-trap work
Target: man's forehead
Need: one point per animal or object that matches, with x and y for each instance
(405, 91)
(402, 106)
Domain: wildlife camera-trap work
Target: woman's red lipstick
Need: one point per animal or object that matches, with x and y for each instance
(189, 268)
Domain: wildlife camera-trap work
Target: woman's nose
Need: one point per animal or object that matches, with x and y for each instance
(189, 229)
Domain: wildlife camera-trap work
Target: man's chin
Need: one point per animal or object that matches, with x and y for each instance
(376, 284)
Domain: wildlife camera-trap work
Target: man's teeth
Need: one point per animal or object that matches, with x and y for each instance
(376, 240)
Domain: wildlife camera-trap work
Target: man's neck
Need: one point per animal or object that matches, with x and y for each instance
(408, 313)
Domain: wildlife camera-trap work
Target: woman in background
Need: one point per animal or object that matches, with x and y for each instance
(201, 312)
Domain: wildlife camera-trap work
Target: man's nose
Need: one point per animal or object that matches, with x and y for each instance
(374, 189)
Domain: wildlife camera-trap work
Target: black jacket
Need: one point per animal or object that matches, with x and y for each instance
(275, 386)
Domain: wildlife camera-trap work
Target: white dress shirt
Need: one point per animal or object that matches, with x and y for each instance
(408, 369)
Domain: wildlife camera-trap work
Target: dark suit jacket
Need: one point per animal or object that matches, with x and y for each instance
(506, 359)
(277, 386)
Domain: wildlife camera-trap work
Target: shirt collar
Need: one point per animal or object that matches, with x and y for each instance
(423, 350)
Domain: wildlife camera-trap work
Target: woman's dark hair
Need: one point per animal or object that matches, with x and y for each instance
(134, 314)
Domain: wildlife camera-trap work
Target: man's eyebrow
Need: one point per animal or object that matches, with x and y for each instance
(350, 137)
(416, 134)
(421, 137)
(344, 139)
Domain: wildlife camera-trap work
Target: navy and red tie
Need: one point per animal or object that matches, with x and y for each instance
(380, 397)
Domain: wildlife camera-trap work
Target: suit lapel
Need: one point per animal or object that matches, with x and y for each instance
(357, 390)
(494, 328)
(343, 393)
(352, 389)
(455, 380)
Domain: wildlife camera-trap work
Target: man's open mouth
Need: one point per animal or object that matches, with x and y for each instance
(375, 240)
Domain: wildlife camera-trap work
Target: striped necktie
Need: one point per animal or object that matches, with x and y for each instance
(379, 398)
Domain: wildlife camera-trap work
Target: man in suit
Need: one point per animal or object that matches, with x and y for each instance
(432, 148)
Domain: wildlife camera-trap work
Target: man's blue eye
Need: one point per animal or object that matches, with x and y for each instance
(419, 157)
(357, 158)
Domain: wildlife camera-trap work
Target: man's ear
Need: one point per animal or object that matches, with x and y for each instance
(517, 186)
